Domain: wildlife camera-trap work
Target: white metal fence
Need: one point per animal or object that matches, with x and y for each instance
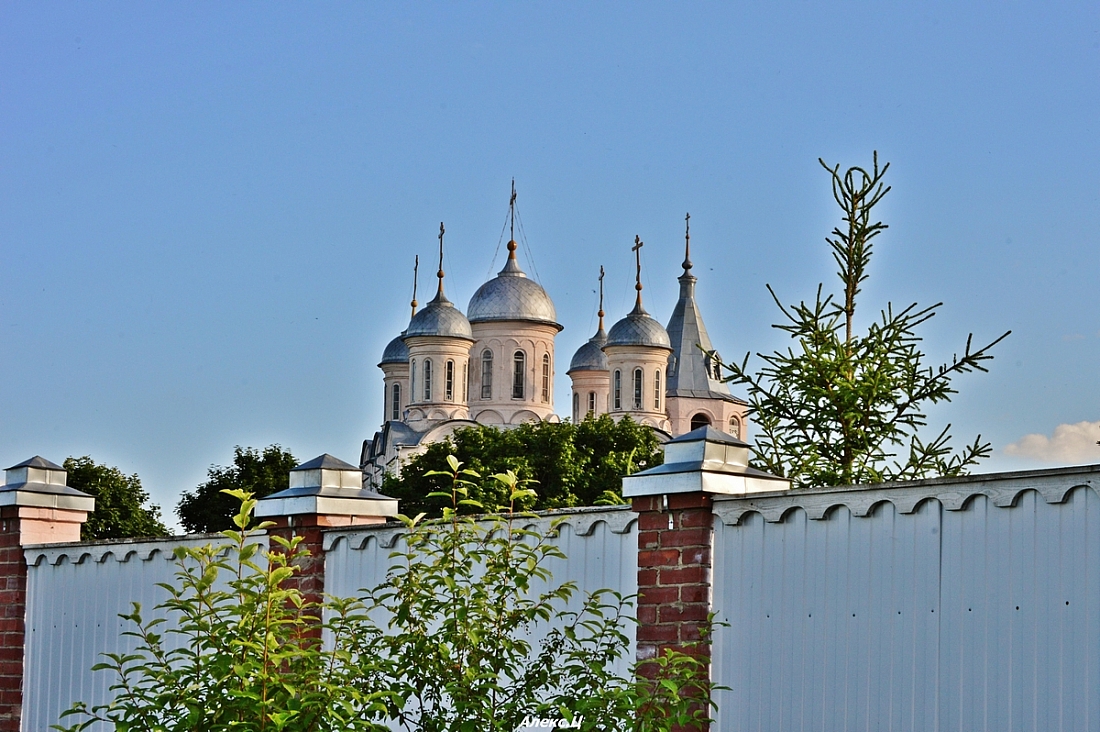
(600, 547)
(75, 594)
(963, 605)
(969, 605)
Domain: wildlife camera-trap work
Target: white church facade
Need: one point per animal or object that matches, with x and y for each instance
(495, 365)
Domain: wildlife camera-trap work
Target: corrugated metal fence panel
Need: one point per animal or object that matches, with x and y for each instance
(601, 549)
(985, 618)
(74, 597)
(1022, 589)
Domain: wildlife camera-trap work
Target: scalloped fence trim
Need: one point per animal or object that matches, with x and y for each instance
(1003, 490)
(618, 519)
(121, 551)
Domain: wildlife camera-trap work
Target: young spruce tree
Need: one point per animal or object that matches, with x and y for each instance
(847, 408)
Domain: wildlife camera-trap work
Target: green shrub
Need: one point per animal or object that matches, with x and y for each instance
(441, 645)
(240, 651)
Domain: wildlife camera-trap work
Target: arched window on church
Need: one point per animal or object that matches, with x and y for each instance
(638, 388)
(427, 379)
(700, 420)
(412, 380)
(449, 381)
(546, 378)
(519, 371)
(465, 381)
(576, 407)
(486, 374)
(617, 389)
(657, 390)
(395, 404)
(592, 403)
(735, 426)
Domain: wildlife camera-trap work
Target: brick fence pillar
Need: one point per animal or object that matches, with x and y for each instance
(36, 507)
(13, 606)
(310, 577)
(676, 538)
(674, 566)
(324, 493)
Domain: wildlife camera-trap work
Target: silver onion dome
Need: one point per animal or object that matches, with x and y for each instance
(396, 351)
(512, 296)
(440, 318)
(639, 329)
(590, 356)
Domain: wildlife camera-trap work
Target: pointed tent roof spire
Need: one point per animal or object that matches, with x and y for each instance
(691, 373)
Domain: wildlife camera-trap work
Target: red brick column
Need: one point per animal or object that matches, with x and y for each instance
(13, 607)
(19, 526)
(674, 575)
(310, 577)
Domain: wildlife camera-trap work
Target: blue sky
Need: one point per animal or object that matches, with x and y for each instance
(208, 212)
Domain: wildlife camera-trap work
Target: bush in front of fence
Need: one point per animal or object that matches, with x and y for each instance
(236, 648)
(441, 645)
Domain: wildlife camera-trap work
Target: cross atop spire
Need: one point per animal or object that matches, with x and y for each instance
(439, 274)
(637, 249)
(687, 243)
(416, 270)
(512, 222)
(600, 313)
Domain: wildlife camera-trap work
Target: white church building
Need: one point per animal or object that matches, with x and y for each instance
(495, 365)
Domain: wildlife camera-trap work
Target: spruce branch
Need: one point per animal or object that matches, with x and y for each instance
(841, 407)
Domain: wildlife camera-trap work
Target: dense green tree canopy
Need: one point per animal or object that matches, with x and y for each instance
(261, 473)
(122, 508)
(572, 464)
(841, 406)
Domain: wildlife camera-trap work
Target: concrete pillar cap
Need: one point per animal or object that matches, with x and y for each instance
(41, 483)
(704, 460)
(327, 486)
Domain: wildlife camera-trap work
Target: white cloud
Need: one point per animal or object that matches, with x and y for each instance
(1071, 443)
